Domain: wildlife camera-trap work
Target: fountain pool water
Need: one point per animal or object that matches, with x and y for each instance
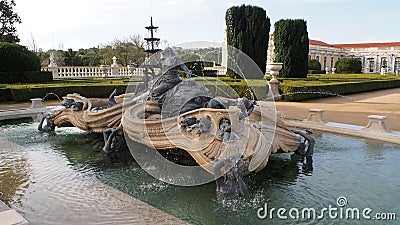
(50, 181)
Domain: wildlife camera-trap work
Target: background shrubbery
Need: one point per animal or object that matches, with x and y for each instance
(17, 58)
(348, 65)
(314, 64)
(19, 65)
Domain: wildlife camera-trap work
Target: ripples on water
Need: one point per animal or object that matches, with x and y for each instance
(53, 179)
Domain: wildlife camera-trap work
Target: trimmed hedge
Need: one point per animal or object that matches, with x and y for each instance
(25, 77)
(317, 72)
(24, 95)
(293, 92)
(315, 86)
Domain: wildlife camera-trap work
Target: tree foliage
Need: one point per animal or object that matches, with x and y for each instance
(8, 19)
(291, 47)
(71, 58)
(127, 50)
(17, 58)
(348, 65)
(247, 29)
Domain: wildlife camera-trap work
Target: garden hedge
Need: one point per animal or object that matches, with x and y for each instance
(25, 77)
(24, 95)
(316, 86)
(293, 92)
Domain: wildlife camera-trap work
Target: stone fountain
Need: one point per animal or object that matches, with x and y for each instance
(226, 137)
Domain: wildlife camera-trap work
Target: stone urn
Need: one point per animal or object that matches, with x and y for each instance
(105, 69)
(274, 69)
(333, 70)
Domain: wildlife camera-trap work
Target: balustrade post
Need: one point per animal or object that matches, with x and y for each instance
(114, 67)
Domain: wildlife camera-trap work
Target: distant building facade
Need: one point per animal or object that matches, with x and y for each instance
(373, 56)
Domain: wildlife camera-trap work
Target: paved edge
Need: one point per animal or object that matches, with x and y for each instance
(10, 216)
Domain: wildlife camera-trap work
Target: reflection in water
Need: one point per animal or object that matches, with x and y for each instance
(14, 172)
(61, 192)
(63, 171)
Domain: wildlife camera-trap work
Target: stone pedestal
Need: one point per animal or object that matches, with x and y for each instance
(316, 115)
(377, 124)
(274, 89)
(274, 69)
(36, 103)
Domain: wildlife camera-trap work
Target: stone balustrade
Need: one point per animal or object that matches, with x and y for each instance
(221, 70)
(74, 72)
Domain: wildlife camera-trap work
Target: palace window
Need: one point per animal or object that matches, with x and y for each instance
(371, 64)
(397, 64)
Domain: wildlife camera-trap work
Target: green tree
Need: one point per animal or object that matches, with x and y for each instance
(91, 56)
(8, 19)
(71, 58)
(291, 47)
(247, 29)
(127, 50)
(348, 65)
(314, 64)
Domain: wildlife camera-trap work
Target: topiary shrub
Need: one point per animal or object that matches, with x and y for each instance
(348, 65)
(17, 58)
(314, 64)
(247, 29)
(292, 47)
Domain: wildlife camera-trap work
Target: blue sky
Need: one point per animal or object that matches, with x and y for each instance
(87, 23)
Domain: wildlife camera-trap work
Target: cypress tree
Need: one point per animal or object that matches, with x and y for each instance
(291, 47)
(247, 29)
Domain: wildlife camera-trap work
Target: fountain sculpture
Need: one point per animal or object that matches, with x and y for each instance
(226, 137)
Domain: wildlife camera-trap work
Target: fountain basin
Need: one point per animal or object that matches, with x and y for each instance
(284, 183)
